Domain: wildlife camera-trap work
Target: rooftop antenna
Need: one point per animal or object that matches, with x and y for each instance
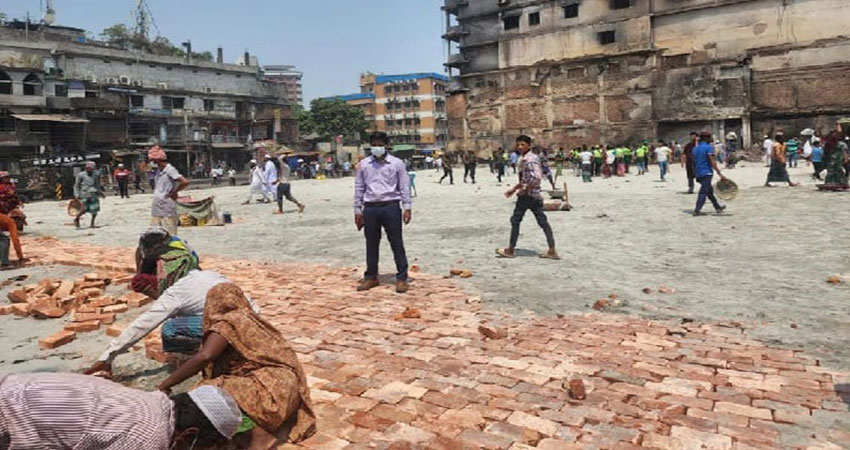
(143, 19)
(49, 17)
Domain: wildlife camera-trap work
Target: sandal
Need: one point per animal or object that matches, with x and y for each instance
(548, 256)
(501, 253)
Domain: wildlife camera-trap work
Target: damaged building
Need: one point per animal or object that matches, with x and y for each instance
(64, 98)
(572, 72)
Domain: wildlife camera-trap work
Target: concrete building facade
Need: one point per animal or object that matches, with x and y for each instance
(290, 77)
(61, 95)
(574, 72)
(410, 108)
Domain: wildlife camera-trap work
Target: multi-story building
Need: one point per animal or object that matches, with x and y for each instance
(290, 77)
(614, 71)
(61, 95)
(410, 108)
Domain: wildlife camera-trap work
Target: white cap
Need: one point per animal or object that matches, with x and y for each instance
(253, 161)
(91, 164)
(219, 408)
(120, 165)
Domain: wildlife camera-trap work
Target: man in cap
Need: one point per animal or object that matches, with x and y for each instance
(269, 177)
(257, 183)
(87, 190)
(8, 194)
(705, 163)
(167, 183)
(688, 159)
(122, 178)
(57, 411)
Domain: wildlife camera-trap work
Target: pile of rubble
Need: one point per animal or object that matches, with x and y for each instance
(84, 299)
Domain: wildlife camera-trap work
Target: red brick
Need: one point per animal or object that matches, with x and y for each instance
(21, 309)
(743, 410)
(114, 330)
(120, 308)
(6, 310)
(720, 418)
(370, 421)
(82, 327)
(57, 340)
(445, 400)
(484, 440)
(392, 412)
(18, 296)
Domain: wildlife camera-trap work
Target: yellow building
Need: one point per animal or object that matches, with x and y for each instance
(410, 108)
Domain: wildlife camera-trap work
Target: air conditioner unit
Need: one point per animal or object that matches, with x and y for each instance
(111, 81)
(137, 83)
(162, 85)
(91, 79)
(124, 79)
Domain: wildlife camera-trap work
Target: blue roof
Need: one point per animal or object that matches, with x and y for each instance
(345, 98)
(410, 77)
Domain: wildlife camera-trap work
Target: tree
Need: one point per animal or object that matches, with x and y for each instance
(305, 120)
(332, 117)
(118, 36)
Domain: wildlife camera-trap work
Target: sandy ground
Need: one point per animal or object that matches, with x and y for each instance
(763, 263)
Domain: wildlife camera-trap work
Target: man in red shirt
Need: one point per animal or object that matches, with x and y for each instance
(122, 177)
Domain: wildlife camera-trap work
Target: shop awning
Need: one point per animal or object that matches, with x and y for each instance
(49, 118)
(403, 147)
(226, 145)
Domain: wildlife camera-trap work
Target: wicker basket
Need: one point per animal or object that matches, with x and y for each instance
(74, 207)
(726, 189)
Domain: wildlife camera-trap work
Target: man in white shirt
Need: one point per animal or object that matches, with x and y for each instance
(183, 302)
(586, 157)
(662, 157)
(168, 182)
(270, 176)
(257, 183)
(768, 147)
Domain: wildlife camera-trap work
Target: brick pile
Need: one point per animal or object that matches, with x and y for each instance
(383, 378)
(84, 299)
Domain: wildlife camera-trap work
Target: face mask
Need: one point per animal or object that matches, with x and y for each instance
(378, 152)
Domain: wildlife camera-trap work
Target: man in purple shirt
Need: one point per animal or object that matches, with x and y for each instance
(381, 184)
(528, 197)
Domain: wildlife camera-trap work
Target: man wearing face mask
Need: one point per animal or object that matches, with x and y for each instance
(381, 191)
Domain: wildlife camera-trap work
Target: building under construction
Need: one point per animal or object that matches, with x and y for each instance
(575, 72)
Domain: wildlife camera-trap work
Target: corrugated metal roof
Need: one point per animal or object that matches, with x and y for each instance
(348, 97)
(49, 118)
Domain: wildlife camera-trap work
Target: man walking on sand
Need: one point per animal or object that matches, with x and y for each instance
(704, 162)
(528, 197)
(167, 184)
(381, 191)
(87, 190)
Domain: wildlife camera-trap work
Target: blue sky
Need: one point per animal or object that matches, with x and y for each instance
(331, 41)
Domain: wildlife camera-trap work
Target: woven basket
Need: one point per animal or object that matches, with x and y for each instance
(726, 189)
(74, 207)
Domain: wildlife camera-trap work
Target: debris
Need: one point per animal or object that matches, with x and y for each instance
(466, 274)
(114, 330)
(647, 290)
(492, 332)
(409, 313)
(576, 389)
(613, 296)
(83, 327)
(601, 304)
(834, 280)
(46, 311)
(18, 296)
(664, 289)
(21, 309)
(475, 299)
(793, 325)
(57, 340)
(414, 268)
(455, 272)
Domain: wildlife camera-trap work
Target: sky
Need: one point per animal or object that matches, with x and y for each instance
(331, 41)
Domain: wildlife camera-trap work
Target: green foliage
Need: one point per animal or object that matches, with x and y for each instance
(120, 36)
(306, 125)
(332, 117)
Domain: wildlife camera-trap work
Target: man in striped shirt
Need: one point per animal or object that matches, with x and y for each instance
(60, 411)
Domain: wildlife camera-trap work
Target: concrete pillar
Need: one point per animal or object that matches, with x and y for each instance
(746, 131)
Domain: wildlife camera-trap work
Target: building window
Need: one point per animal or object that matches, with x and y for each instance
(511, 22)
(620, 4)
(38, 127)
(388, 89)
(534, 19)
(60, 90)
(209, 105)
(5, 83)
(32, 85)
(570, 11)
(173, 102)
(7, 123)
(607, 37)
(92, 94)
(137, 101)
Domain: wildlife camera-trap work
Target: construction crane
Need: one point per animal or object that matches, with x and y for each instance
(49, 16)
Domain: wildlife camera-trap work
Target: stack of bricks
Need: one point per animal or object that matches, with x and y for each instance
(383, 379)
(84, 299)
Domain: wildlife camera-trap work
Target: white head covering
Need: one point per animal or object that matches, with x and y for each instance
(91, 164)
(219, 408)
(253, 161)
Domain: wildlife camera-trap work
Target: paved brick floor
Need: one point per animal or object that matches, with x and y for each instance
(380, 381)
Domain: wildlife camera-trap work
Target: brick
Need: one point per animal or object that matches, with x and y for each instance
(135, 299)
(102, 301)
(543, 426)
(114, 330)
(46, 311)
(390, 412)
(83, 327)
(65, 289)
(18, 296)
(21, 309)
(395, 392)
(554, 444)
(707, 441)
(120, 308)
(743, 410)
(57, 340)
(445, 400)
(514, 432)
(718, 417)
(483, 440)
(466, 418)
(5, 310)
(350, 403)
(370, 421)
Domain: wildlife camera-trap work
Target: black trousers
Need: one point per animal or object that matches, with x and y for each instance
(500, 171)
(523, 204)
(469, 170)
(706, 191)
(284, 190)
(388, 217)
(447, 172)
(122, 188)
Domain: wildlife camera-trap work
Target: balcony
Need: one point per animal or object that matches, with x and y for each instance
(456, 85)
(455, 33)
(452, 6)
(456, 60)
(23, 100)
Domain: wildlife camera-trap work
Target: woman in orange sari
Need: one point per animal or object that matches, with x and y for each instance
(247, 357)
